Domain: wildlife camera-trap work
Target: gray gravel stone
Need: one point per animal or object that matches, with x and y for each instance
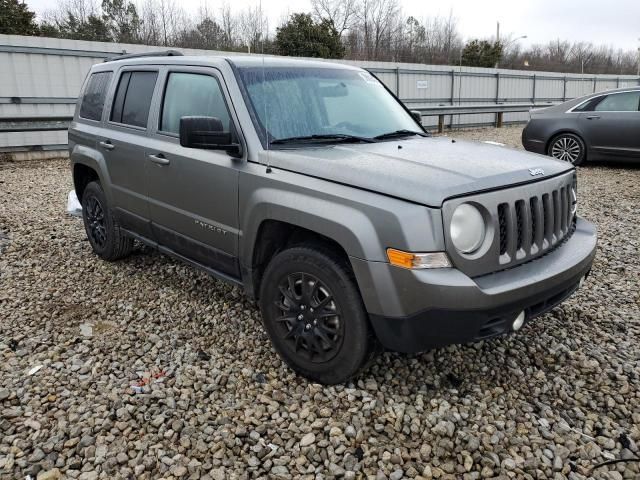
(550, 401)
(308, 439)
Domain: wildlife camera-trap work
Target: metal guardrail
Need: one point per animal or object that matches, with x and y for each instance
(34, 124)
(59, 123)
(442, 111)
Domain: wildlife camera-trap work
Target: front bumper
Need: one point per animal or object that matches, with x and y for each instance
(415, 310)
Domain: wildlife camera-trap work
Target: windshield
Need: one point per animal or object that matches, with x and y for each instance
(310, 102)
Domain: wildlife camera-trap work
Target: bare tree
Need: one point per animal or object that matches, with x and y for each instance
(253, 28)
(369, 30)
(341, 13)
(81, 10)
(377, 23)
(229, 25)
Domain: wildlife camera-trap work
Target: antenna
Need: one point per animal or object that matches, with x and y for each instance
(264, 96)
(459, 89)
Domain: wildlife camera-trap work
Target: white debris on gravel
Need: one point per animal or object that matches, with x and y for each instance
(73, 204)
(212, 400)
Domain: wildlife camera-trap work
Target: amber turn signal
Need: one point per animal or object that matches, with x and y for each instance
(418, 260)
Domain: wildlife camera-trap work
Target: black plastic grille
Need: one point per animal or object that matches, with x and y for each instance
(519, 224)
(533, 207)
(502, 222)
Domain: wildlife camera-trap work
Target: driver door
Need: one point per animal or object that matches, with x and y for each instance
(193, 193)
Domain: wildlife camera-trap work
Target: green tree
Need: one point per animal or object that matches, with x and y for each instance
(122, 19)
(16, 18)
(207, 34)
(93, 28)
(481, 53)
(302, 37)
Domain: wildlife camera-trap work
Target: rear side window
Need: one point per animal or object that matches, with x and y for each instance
(94, 95)
(133, 98)
(192, 94)
(619, 102)
(588, 105)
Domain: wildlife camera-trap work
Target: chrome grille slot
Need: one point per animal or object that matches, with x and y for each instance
(546, 220)
(557, 216)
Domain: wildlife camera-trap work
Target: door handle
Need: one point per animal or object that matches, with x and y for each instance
(593, 117)
(159, 159)
(107, 145)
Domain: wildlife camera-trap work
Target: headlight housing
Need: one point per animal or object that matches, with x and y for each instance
(467, 228)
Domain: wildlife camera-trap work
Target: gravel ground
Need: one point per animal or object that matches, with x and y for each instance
(211, 399)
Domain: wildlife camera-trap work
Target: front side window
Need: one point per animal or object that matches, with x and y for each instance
(308, 101)
(94, 95)
(192, 94)
(133, 98)
(620, 102)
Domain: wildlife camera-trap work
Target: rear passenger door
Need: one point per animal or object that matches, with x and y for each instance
(122, 145)
(193, 193)
(613, 125)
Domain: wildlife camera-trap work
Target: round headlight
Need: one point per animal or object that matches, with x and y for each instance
(467, 228)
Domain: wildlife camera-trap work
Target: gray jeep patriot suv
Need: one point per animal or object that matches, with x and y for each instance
(310, 185)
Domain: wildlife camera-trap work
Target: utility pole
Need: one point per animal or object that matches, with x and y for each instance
(639, 59)
(497, 42)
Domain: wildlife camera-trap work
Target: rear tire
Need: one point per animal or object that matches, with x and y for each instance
(568, 147)
(314, 315)
(107, 240)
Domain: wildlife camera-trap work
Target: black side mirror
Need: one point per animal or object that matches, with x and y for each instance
(417, 116)
(207, 133)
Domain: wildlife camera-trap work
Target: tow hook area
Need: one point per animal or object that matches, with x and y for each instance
(518, 322)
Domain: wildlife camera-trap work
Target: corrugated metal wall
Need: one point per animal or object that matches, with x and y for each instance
(42, 77)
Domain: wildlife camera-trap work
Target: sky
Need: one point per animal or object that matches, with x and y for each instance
(613, 23)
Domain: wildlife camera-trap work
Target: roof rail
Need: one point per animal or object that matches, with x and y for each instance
(161, 53)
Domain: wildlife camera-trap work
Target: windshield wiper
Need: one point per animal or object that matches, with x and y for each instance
(398, 133)
(330, 137)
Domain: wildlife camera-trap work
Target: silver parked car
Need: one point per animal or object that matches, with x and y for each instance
(600, 126)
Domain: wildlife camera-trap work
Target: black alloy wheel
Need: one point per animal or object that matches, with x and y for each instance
(314, 315)
(107, 239)
(96, 222)
(310, 320)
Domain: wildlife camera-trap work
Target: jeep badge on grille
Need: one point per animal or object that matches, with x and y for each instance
(536, 171)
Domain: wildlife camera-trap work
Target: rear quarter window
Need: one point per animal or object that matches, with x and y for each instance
(94, 94)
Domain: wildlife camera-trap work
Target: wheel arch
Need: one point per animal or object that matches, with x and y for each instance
(274, 236)
(89, 165)
(563, 131)
(82, 176)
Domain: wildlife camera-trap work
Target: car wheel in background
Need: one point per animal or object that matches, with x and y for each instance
(568, 147)
(314, 315)
(103, 231)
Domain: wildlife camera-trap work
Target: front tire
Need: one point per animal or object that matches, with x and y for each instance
(107, 240)
(314, 315)
(568, 147)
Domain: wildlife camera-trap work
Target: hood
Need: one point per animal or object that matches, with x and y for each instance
(425, 170)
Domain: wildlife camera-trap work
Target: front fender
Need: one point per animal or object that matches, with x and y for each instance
(364, 223)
